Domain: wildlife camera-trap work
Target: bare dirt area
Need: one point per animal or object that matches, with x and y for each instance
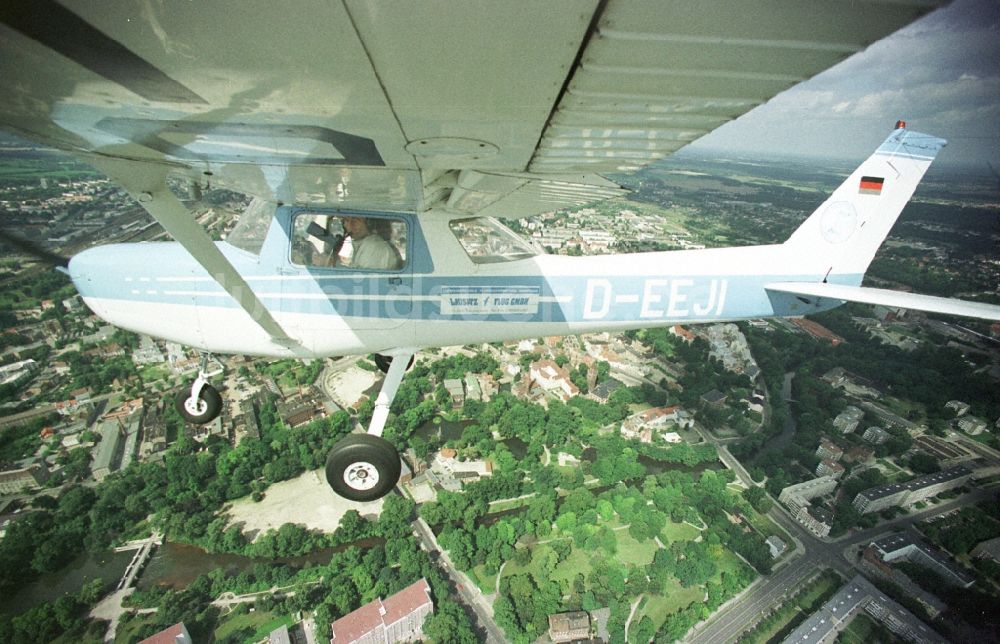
(347, 387)
(306, 500)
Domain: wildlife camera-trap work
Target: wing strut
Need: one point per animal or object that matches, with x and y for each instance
(147, 184)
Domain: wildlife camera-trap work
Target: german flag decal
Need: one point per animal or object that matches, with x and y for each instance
(871, 185)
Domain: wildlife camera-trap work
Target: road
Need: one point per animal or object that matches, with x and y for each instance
(740, 613)
(756, 601)
(37, 412)
(467, 590)
(812, 555)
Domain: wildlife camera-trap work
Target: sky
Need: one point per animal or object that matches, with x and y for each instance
(941, 74)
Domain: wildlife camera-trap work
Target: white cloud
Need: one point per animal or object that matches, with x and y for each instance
(941, 74)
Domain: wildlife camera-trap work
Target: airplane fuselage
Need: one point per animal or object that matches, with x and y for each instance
(440, 297)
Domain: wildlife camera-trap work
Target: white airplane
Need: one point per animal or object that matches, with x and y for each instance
(382, 143)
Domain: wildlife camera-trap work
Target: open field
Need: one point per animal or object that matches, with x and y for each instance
(306, 500)
(254, 627)
(675, 598)
(678, 532)
(631, 551)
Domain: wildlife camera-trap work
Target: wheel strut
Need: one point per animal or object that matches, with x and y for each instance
(365, 467)
(202, 403)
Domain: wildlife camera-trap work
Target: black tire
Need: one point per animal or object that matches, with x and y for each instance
(209, 405)
(383, 362)
(362, 467)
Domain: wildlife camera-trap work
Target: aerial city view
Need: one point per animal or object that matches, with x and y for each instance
(642, 331)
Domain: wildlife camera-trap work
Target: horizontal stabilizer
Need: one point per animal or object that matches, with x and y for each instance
(894, 299)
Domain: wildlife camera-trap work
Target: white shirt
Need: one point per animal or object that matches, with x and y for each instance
(371, 251)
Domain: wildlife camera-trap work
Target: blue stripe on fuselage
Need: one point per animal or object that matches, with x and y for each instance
(495, 299)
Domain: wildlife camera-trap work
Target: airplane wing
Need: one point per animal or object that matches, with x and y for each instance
(483, 107)
(892, 299)
(507, 108)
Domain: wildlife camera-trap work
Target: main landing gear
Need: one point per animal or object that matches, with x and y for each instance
(202, 403)
(365, 467)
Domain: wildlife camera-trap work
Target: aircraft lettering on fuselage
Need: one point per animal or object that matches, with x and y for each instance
(658, 298)
(489, 300)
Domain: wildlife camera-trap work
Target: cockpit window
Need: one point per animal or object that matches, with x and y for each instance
(487, 241)
(344, 241)
(250, 231)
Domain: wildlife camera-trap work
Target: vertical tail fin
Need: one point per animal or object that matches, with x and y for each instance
(841, 237)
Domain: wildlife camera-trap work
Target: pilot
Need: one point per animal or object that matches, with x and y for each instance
(370, 249)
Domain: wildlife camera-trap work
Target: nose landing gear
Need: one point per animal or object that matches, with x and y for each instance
(365, 467)
(203, 403)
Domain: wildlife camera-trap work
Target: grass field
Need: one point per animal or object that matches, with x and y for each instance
(576, 563)
(676, 597)
(678, 532)
(130, 632)
(154, 372)
(631, 551)
(763, 524)
(510, 504)
(728, 562)
(256, 625)
(486, 582)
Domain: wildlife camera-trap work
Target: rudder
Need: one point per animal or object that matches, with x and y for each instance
(841, 237)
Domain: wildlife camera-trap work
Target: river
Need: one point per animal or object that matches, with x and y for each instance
(782, 440)
(176, 565)
(108, 566)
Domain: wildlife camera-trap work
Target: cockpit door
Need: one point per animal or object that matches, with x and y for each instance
(346, 274)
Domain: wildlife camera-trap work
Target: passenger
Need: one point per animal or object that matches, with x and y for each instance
(371, 250)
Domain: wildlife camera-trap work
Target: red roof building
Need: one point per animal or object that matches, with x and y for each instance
(682, 333)
(176, 634)
(817, 330)
(396, 619)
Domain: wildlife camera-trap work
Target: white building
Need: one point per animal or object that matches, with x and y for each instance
(971, 425)
(847, 421)
(553, 378)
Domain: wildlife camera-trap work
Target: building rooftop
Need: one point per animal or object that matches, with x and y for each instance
(107, 449)
(569, 622)
(714, 397)
(989, 548)
(853, 595)
(176, 634)
(943, 476)
(357, 624)
(407, 601)
(894, 544)
(279, 635)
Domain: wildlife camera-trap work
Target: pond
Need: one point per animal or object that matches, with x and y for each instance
(108, 566)
(176, 565)
(441, 430)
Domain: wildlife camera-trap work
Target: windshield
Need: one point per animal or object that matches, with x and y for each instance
(250, 230)
(487, 241)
